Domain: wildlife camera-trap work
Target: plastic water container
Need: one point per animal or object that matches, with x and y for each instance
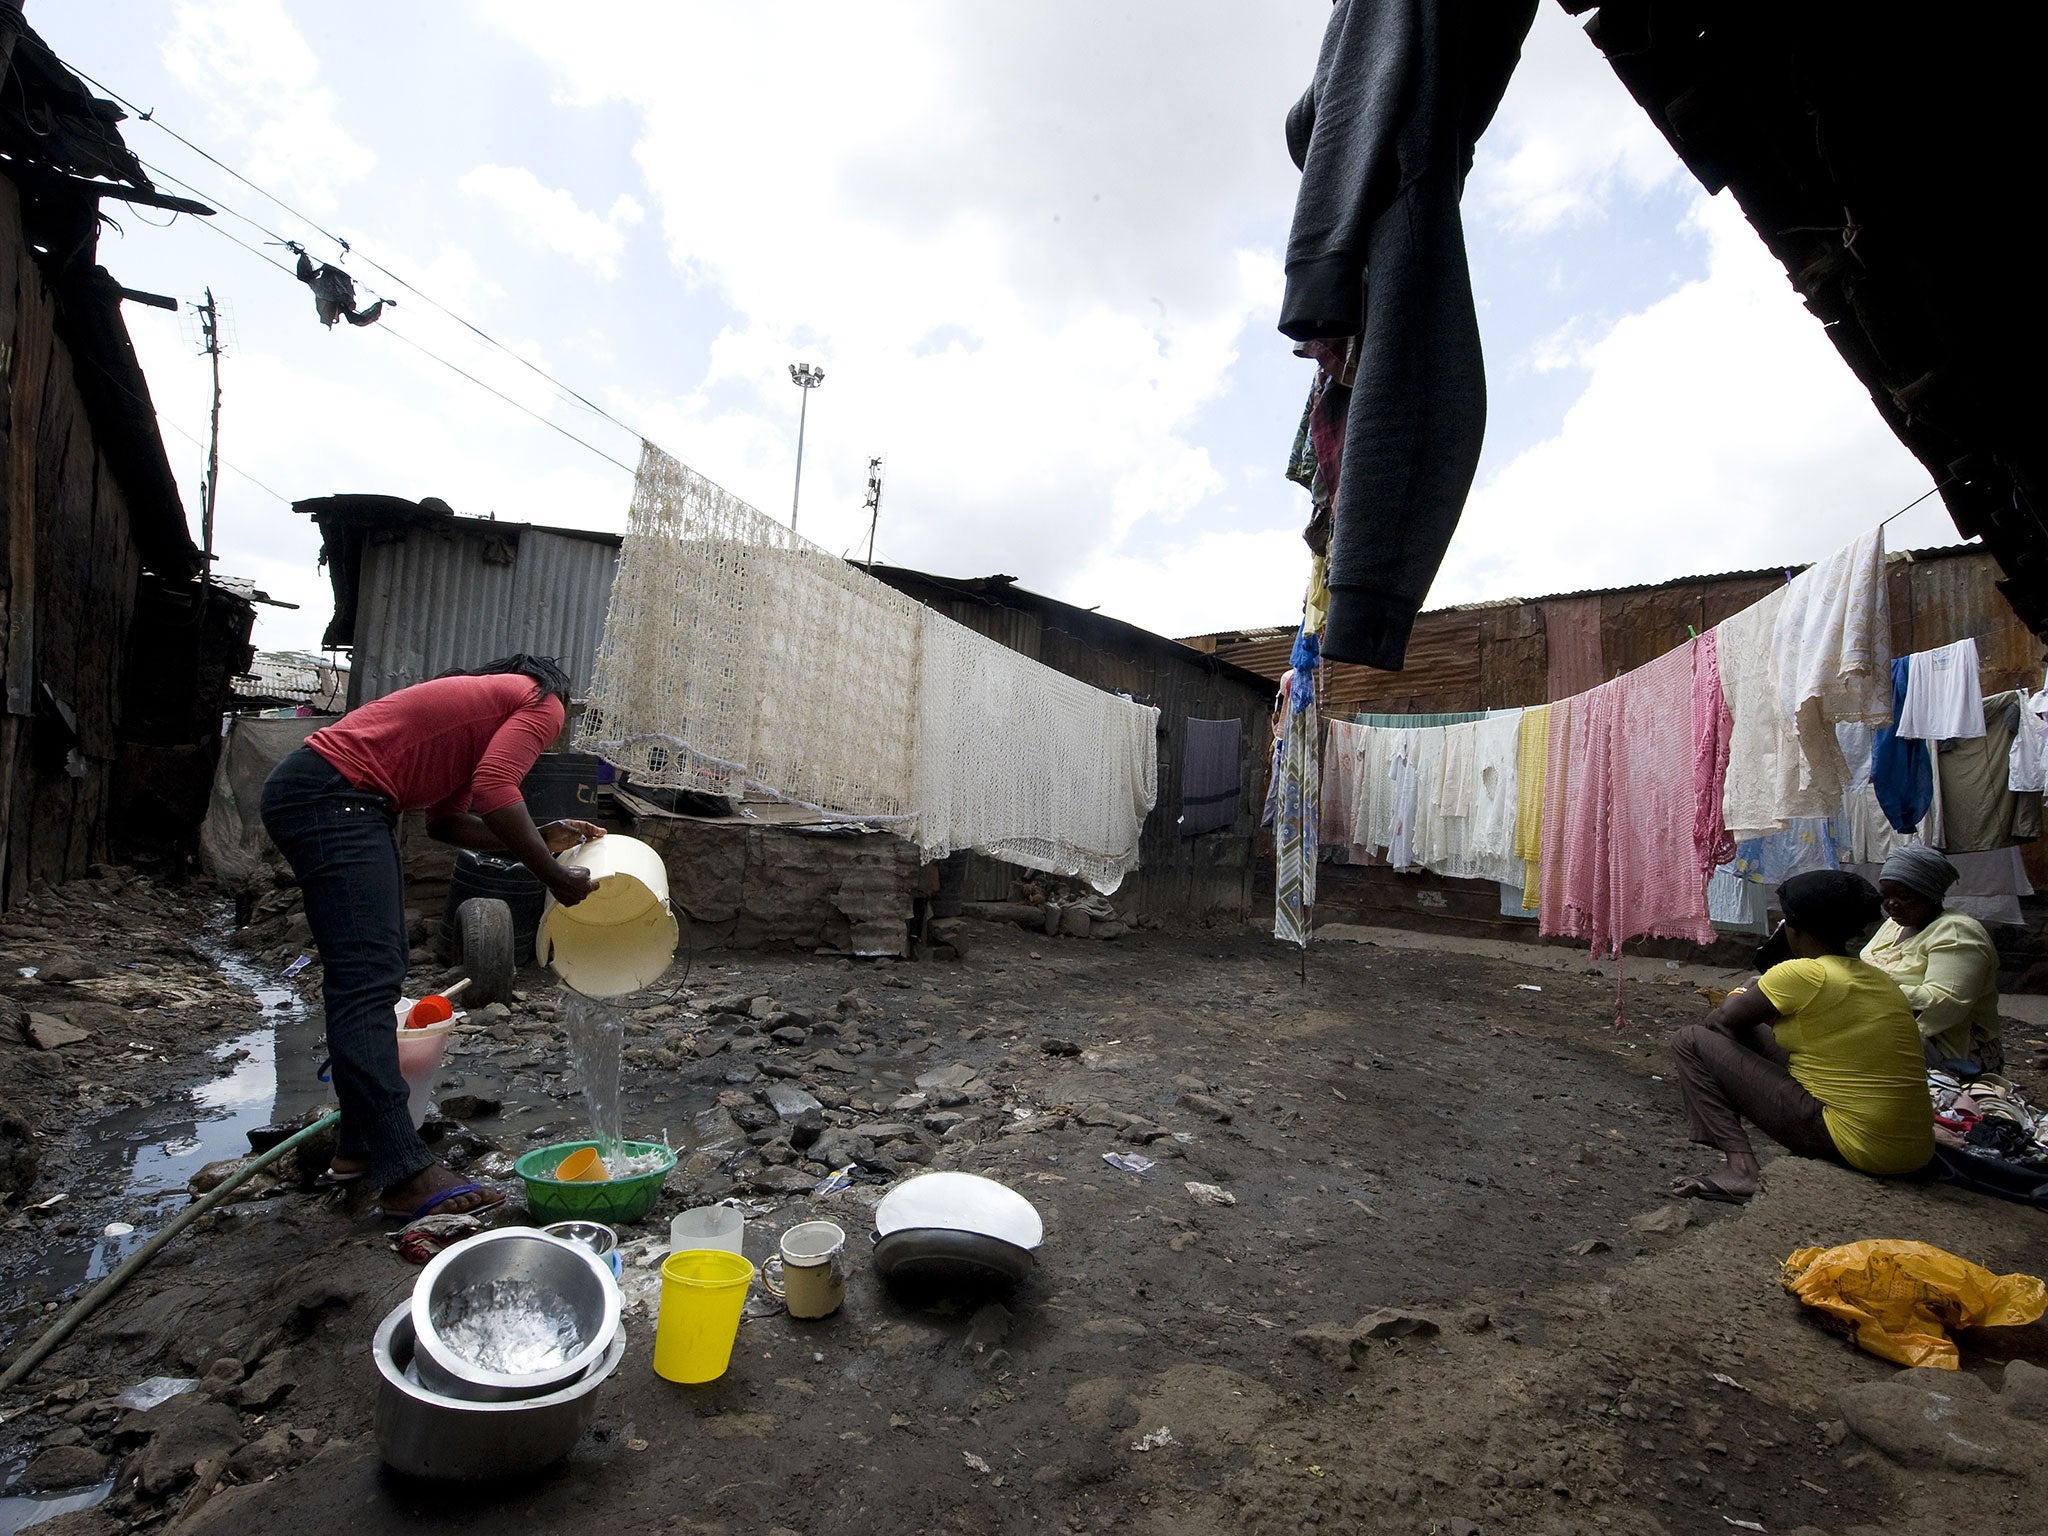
(419, 1058)
(622, 936)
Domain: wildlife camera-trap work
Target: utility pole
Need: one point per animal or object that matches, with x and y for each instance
(874, 505)
(209, 330)
(806, 378)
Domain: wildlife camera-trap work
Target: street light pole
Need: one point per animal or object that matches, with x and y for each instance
(806, 378)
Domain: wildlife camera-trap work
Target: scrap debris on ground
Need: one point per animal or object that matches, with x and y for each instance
(1383, 1249)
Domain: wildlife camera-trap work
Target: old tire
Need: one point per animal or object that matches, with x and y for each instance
(483, 949)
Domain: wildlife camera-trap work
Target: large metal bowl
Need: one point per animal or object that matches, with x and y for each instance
(424, 1434)
(550, 1265)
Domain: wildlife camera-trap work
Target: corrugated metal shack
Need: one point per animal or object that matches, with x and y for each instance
(418, 590)
(100, 571)
(1176, 876)
(1497, 656)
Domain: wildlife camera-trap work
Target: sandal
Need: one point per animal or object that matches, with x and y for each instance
(440, 1198)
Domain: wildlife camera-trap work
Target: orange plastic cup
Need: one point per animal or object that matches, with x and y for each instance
(582, 1166)
(433, 1009)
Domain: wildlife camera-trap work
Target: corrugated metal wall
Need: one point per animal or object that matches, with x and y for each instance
(432, 599)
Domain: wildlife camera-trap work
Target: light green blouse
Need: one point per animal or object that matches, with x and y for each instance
(1949, 973)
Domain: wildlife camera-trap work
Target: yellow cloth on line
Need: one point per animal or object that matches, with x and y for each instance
(1532, 766)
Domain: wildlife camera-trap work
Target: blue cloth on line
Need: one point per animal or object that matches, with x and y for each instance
(1900, 770)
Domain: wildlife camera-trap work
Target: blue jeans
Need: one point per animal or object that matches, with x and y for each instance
(342, 844)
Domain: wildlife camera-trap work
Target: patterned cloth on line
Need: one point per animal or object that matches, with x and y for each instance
(1618, 854)
(1211, 781)
(737, 655)
(1295, 844)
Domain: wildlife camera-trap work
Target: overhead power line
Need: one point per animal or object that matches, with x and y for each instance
(343, 244)
(386, 327)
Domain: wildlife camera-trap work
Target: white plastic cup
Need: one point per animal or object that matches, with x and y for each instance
(707, 1226)
(620, 937)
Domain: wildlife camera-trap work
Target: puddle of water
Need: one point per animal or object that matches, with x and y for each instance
(136, 1162)
(19, 1511)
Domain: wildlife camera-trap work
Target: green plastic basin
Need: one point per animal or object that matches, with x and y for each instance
(613, 1201)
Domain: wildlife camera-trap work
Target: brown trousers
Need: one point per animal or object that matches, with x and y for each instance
(1727, 1081)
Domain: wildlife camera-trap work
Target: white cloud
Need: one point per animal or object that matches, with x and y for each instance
(552, 218)
(1026, 266)
(1718, 430)
(261, 83)
(1567, 138)
(1217, 581)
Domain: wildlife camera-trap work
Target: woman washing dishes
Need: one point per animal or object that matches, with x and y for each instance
(456, 748)
(1821, 1053)
(1944, 962)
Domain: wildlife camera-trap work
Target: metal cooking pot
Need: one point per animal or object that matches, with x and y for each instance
(550, 1265)
(424, 1434)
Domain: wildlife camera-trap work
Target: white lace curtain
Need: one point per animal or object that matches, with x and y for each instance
(739, 656)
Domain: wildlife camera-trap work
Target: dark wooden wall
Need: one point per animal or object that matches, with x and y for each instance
(67, 592)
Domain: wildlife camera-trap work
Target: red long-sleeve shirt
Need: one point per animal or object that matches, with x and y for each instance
(451, 745)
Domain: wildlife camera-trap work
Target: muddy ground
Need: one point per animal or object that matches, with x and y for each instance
(1406, 1130)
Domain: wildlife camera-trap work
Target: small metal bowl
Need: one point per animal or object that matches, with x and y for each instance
(424, 1434)
(552, 1265)
(594, 1235)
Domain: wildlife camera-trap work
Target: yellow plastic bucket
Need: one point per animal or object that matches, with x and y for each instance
(702, 1293)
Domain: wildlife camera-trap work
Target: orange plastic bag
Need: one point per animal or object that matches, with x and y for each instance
(1901, 1298)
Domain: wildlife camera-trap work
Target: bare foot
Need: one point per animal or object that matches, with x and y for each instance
(1728, 1184)
(402, 1200)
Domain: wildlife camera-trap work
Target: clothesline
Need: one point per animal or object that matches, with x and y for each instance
(1643, 785)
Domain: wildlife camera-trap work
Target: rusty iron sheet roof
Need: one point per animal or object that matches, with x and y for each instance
(1878, 156)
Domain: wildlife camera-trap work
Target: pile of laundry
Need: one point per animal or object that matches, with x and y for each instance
(1990, 1116)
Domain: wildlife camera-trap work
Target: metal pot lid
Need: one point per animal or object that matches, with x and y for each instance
(963, 1202)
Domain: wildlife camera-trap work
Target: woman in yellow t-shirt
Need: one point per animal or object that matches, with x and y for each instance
(1822, 1053)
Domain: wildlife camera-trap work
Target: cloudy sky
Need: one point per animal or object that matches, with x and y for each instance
(1035, 248)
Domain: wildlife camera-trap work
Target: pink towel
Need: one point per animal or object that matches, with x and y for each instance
(1620, 811)
(1712, 726)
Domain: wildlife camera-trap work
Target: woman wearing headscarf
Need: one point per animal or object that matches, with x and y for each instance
(1943, 961)
(457, 748)
(1821, 1053)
